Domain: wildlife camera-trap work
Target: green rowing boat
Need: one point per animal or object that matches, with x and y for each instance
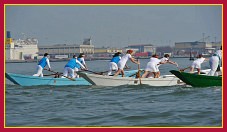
(196, 80)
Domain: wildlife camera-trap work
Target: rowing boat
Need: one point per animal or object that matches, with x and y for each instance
(28, 80)
(196, 80)
(101, 80)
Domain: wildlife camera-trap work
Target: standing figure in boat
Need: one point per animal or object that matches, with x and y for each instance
(121, 64)
(196, 64)
(81, 60)
(42, 63)
(165, 60)
(152, 67)
(71, 68)
(113, 63)
(215, 62)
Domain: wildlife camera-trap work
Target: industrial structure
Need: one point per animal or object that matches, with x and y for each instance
(202, 46)
(143, 50)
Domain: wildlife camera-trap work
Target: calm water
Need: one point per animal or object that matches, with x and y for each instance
(111, 106)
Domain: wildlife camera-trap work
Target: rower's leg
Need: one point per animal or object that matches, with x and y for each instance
(145, 74)
(198, 69)
(118, 72)
(122, 73)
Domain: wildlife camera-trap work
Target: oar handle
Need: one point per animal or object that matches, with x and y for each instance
(139, 71)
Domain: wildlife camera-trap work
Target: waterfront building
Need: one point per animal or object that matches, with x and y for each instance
(142, 50)
(105, 52)
(21, 49)
(67, 51)
(195, 48)
(143, 47)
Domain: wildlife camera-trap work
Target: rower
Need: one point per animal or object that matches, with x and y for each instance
(152, 67)
(215, 61)
(42, 63)
(71, 67)
(196, 64)
(121, 64)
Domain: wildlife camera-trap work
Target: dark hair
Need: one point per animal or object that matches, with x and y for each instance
(154, 55)
(74, 56)
(81, 55)
(166, 55)
(117, 54)
(46, 54)
(200, 56)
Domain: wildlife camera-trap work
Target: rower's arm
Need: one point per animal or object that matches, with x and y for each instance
(134, 61)
(174, 63)
(48, 63)
(80, 64)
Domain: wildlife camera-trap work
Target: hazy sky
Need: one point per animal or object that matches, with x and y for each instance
(115, 26)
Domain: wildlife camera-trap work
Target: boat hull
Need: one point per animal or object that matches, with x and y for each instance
(196, 80)
(26, 80)
(101, 80)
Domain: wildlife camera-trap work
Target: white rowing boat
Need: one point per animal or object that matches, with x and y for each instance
(101, 80)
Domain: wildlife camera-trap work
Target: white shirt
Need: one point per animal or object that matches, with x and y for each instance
(83, 62)
(199, 60)
(124, 59)
(164, 59)
(154, 61)
(219, 53)
(48, 62)
(152, 65)
(80, 64)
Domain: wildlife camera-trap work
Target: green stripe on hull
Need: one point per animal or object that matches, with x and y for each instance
(198, 80)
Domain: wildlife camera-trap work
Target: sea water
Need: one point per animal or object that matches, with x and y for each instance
(121, 106)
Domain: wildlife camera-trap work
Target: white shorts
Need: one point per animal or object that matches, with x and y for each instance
(196, 65)
(151, 67)
(68, 72)
(113, 66)
(121, 66)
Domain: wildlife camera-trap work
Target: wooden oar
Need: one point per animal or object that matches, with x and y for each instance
(50, 75)
(57, 73)
(136, 73)
(99, 73)
(139, 72)
(182, 70)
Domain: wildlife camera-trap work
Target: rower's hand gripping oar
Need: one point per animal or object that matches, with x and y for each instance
(57, 73)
